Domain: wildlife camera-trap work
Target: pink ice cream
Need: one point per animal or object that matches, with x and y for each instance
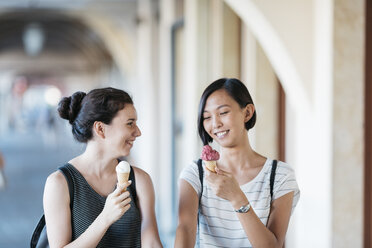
(210, 156)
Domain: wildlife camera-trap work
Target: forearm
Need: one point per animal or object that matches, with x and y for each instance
(185, 237)
(150, 236)
(93, 235)
(258, 234)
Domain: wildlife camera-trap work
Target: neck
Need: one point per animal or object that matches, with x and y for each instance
(95, 160)
(239, 157)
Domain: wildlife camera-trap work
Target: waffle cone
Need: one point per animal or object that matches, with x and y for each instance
(122, 178)
(211, 165)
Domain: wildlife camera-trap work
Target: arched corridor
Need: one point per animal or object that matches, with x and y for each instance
(302, 61)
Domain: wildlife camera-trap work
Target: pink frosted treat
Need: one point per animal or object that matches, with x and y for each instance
(210, 156)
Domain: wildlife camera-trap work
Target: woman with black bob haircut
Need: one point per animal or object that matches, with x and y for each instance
(100, 212)
(248, 199)
(237, 91)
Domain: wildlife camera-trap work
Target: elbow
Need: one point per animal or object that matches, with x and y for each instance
(185, 236)
(152, 244)
(186, 229)
(277, 243)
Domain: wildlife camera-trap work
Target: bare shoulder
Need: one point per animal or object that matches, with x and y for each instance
(143, 184)
(141, 176)
(56, 187)
(56, 179)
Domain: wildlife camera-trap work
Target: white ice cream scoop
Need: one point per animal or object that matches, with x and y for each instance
(123, 167)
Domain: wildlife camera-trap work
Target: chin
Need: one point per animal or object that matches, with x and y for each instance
(124, 153)
(225, 143)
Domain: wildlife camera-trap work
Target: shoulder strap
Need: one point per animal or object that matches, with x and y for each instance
(38, 233)
(133, 184)
(200, 168)
(272, 177)
(70, 183)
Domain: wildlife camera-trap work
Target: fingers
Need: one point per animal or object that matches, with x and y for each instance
(124, 203)
(212, 175)
(126, 208)
(222, 172)
(121, 187)
(217, 178)
(127, 184)
(123, 196)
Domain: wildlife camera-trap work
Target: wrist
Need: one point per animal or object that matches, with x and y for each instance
(103, 220)
(240, 201)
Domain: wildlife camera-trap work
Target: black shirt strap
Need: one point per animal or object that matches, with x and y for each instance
(132, 187)
(70, 183)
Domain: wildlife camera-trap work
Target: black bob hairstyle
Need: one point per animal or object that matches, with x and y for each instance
(237, 90)
(82, 109)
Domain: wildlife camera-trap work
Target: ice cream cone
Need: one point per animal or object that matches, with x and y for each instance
(122, 178)
(210, 157)
(122, 172)
(211, 165)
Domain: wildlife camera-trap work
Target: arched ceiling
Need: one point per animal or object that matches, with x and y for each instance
(63, 34)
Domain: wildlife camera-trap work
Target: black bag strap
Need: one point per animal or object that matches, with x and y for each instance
(201, 172)
(272, 177)
(200, 168)
(37, 232)
(132, 187)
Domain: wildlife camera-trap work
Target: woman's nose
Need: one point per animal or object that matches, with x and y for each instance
(216, 122)
(137, 132)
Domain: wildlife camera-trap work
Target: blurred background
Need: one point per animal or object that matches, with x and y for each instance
(306, 63)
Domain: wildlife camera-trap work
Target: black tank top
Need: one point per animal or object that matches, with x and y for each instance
(88, 204)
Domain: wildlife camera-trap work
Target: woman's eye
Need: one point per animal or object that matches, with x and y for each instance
(206, 118)
(225, 112)
(130, 124)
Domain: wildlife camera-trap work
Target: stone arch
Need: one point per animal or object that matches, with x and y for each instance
(275, 51)
(117, 41)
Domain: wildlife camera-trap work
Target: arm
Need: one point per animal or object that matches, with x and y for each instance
(225, 186)
(274, 234)
(58, 214)
(187, 216)
(1, 161)
(146, 201)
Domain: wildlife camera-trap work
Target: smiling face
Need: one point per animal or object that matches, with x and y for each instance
(122, 131)
(224, 119)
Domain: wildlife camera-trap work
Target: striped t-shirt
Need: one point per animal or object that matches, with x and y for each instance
(219, 224)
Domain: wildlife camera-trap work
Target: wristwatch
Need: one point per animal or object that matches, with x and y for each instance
(243, 209)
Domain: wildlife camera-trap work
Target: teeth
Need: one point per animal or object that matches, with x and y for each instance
(220, 134)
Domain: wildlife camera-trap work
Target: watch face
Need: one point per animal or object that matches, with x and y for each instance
(244, 209)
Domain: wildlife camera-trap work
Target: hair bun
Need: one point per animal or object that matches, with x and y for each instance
(69, 107)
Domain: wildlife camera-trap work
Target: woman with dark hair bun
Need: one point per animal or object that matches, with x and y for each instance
(96, 211)
(247, 199)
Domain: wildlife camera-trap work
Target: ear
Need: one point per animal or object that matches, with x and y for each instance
(99, 129)
(248, 111)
